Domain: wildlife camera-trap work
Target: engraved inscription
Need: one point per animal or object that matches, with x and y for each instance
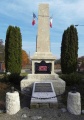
(43, 87)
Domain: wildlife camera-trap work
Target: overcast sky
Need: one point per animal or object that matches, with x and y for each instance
(64, 12)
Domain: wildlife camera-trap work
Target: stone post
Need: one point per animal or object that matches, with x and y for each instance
(74, 103)
(12, 103)
(33, 67)
(52, 67)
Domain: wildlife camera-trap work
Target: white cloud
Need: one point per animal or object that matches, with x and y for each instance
(63, 11)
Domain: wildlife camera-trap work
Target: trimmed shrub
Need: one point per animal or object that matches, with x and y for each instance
(69, 50)
(71, 79)
(13, 50)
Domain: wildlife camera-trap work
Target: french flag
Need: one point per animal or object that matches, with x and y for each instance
(51, 22)
(34, 21)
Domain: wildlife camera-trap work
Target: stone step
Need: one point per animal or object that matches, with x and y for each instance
(43, 105)
(42, 76)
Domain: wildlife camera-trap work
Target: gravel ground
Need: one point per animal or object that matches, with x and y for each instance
(41, 114)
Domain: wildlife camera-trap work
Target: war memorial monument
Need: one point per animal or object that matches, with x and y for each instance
(45, 84)
(43, 60)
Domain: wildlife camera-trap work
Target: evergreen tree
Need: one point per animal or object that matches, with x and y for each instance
(2, 53)
(13, 48)
(69, 50)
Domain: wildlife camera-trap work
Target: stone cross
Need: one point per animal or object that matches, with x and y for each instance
(43, 37)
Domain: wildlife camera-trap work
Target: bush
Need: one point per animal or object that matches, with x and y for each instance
(15, 78)
(71, 79)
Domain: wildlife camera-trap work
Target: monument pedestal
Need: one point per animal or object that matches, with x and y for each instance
(58, 84)
(43, 56)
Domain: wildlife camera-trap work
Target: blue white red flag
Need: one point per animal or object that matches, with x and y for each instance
(34, 21)
(34, 16)
(51, 22)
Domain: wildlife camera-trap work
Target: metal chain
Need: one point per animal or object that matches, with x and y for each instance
(37, 97)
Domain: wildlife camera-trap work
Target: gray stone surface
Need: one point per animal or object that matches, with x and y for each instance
(74, 103)
(45, 113)
(36, 118)
(43, 55)
(12, 103)
(43, 76)
(59, 84)
(63, 110)
(43, 37)
(43, 97)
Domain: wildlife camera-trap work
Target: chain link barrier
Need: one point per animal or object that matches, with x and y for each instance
(36, 97)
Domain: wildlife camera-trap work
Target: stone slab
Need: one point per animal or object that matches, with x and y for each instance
(43, 97)
(39, 105)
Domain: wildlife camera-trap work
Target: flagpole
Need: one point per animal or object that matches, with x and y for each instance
(78, 25)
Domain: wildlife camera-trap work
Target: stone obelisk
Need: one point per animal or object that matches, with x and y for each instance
(43, 38)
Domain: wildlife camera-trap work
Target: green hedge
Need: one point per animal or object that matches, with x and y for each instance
(71, 79)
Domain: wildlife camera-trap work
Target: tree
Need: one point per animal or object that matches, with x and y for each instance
(2, 53)
(25, 58)
(13, 50)
(69, 50)
(57, 61)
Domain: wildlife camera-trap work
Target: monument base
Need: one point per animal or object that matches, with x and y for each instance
(43, 55)
(40, 57)
(43, 95)
(58, 83)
